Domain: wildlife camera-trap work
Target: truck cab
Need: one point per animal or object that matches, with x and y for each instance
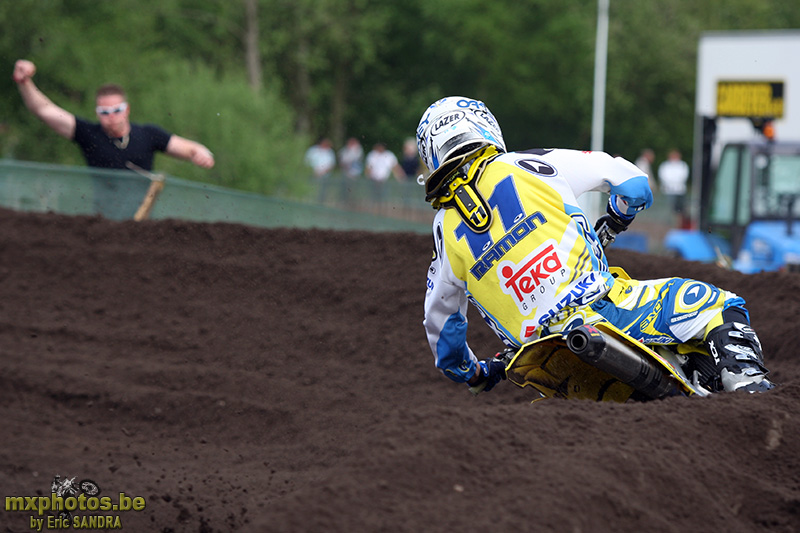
(749, 210)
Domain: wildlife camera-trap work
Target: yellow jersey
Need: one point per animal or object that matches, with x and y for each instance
(539, 258)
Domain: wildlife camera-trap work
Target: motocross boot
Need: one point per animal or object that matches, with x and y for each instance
(737, 354)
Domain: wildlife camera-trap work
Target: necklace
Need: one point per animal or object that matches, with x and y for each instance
(122, 142)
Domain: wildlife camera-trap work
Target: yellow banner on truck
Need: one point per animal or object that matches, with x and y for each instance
(750, 99)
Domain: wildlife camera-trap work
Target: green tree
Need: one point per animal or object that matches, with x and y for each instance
(366, 68)
(652, 65)
(199, 91)
(530, 61)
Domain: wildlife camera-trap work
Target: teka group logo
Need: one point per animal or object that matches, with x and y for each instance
(524, 280)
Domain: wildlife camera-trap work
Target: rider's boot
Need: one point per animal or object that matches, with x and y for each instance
(737, 353)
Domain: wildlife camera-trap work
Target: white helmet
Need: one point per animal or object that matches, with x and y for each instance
(451, 131)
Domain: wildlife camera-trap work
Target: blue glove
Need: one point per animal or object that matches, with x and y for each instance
(612, 223)
(493, 370)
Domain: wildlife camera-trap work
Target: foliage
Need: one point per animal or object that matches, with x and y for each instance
(364, 68)
(194, 91)
(247, 132)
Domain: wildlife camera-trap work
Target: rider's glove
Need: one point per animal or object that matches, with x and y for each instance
(612, 223)
(493, 370)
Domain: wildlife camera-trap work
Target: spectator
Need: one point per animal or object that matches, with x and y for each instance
(351, 161)
(410, 162)
(673, 174)
(322, 160)
(113, 142)
(382, 163)
(412, 168)
(645, 163)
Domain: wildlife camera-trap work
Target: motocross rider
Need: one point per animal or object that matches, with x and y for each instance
(510, 237)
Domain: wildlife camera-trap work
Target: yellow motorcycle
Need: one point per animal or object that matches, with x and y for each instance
(602, 363)
(599, 362)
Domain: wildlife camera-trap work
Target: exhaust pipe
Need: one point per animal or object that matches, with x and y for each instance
(621, 361)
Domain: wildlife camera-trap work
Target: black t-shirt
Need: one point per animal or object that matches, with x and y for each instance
(102, 151)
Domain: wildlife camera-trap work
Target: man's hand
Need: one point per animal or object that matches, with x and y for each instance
(190, 151)
(488, 374)
(59, 120)
(23, 70)
(203, 158)
(612, 223)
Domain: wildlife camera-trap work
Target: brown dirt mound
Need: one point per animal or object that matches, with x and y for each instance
(243, 379)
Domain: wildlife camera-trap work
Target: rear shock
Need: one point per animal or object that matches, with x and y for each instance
(621, 361)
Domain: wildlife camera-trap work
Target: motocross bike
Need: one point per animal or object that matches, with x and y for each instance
(600, 362)
(69, 488)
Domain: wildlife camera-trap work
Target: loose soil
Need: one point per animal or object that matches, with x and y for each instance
(255, 380)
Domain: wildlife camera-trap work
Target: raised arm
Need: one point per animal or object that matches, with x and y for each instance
(190, 150)
(59, 120)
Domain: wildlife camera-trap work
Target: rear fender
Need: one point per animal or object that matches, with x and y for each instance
(549, 367)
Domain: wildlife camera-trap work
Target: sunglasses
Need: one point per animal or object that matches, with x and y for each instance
(111, 109)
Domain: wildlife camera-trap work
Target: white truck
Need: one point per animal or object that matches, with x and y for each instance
(746, 163)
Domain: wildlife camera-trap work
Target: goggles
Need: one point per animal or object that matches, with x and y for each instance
(111, 109)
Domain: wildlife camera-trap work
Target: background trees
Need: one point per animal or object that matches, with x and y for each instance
(258, 80)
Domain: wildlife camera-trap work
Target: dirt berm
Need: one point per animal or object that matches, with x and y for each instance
(254, 380)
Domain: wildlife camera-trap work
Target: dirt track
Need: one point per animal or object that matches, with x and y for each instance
(279, 380)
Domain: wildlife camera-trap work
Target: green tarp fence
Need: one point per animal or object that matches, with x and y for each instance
(117, 195)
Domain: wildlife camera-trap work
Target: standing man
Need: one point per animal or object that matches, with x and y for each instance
(673, 175)
(381, 164)
(645, 163)
(410, 162)
(113, 142)
(322, 160)
(351, 161)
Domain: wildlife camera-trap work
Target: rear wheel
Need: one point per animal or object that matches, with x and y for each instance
(89, 487)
